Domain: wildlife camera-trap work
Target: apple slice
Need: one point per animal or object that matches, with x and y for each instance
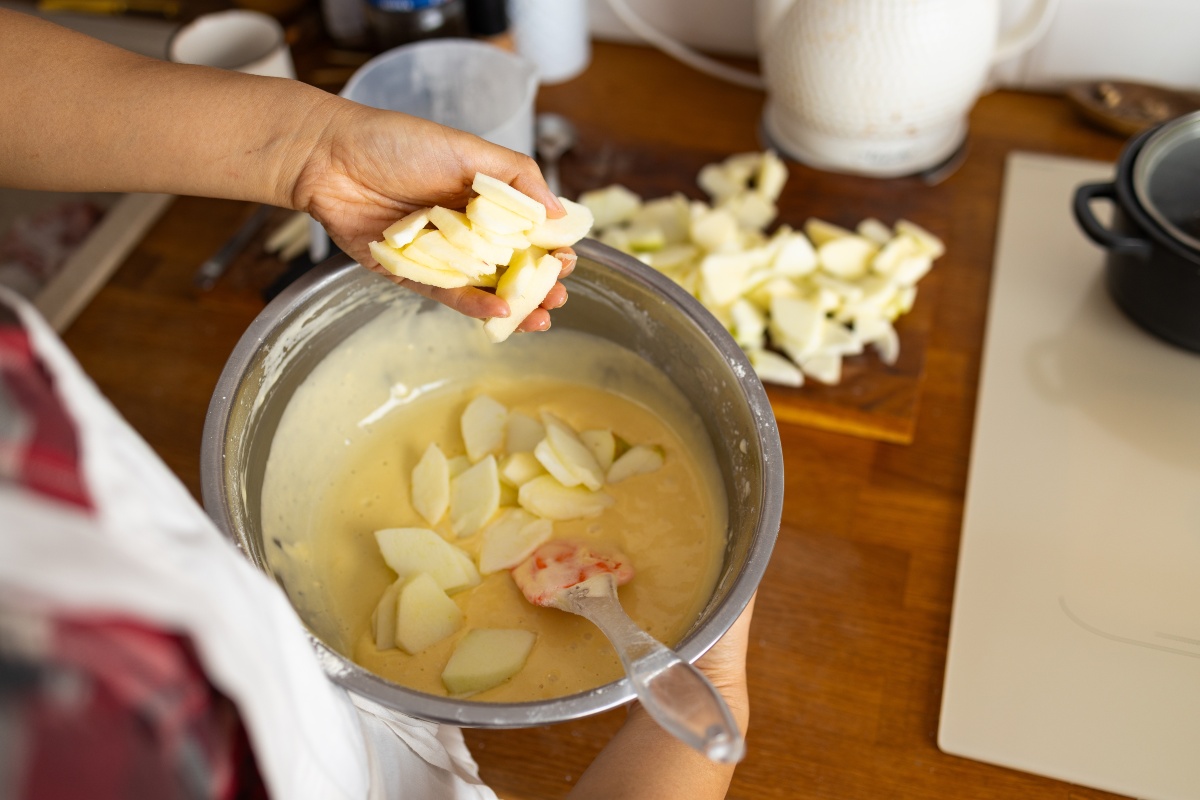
(514, 200)
(409, 551)
(483, 426)
(431, 484)
(771, 177)
(611, 205)
(486, 658)
(847, 257)
(491, 216)
(524, 432)
(929, 243)
(520, 468)
(474, 497)
(425, 614)
(511, 539)
(383, 620)
(638, 460)
(564, 231)
(819, 231)
(468, 566)
(404, 230)
(549, 458)
(516, 241)
(455, 226)
(774, 368)
(875, 230)
(603, 445)
(572, 452)
(401, 265)
(457, 466)
(548, 498)
(524, 285)
(438, 248)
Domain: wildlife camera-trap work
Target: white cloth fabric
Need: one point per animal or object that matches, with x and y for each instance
(150, 552)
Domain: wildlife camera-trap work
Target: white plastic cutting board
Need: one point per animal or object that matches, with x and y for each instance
(1075, 640)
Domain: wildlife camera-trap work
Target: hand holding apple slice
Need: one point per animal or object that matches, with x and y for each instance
(524, 285)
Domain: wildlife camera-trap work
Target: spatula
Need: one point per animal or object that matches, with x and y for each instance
(572, 577)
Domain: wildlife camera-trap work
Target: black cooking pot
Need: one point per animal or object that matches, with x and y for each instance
(1153, 263)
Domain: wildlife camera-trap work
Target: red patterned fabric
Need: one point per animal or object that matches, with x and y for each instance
(39, 446)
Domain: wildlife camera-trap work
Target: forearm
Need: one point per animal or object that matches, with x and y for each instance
(643, 761)
(82, 115)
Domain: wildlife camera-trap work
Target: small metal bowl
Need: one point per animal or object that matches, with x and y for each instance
(612, 296)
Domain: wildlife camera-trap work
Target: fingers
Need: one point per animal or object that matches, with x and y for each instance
(568, 258)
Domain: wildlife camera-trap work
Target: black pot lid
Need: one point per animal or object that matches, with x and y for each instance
(1166, 178)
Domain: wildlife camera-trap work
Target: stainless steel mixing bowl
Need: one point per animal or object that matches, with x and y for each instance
(611, 295)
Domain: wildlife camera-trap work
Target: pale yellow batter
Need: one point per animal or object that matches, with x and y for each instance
(333, 480)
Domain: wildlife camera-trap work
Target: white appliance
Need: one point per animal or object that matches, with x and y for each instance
(1147, 40)
(1075, 641)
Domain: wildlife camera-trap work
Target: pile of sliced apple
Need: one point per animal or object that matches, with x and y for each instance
(519, 474)
(501, 241)
(797, 302)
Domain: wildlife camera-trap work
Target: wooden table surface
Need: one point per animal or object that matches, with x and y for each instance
(849, 639)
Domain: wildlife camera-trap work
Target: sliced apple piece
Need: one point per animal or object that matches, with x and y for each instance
(714, 229)
(486, 658)
(524, 432)
(512, 199)
(794, 254)
(750, 209)
(512, 538)
(548, 498)
(771, 177)
(431, 484)
(796, 324)
(409, 551)
(425, 614)
(603, 445)
(383, 620)
(474, 497)
(847, 257)
(455, 226)
(524, 285)
(520, 468)
(549, 458)
(573, 453)
(876, 231)
(435, 245)
(491, 216)
(774, 368)
(469, 569)
(638, 460)
(404, 230)
(402, 266)
(928, 242)
(819, 231)
(823, 367)
(563, 231)
(457, 466)
(483, 425)
(516, 241)
(724, 276)
(611, 205)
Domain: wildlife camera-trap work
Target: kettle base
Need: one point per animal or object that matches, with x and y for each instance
(876, 157)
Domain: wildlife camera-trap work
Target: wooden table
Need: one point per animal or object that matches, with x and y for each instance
(849, 638)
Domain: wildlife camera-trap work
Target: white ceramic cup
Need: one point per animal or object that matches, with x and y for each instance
(239, 40)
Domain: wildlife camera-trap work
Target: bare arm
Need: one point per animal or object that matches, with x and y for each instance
(644, 762)
(82, 115)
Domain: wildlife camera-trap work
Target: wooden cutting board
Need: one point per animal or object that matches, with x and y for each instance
(872, 400)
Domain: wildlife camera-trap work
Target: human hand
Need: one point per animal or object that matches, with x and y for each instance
(725, 666)
(371, 167)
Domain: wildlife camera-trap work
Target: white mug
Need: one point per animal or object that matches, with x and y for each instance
(879, 87)
(553, 34)
(239, 40)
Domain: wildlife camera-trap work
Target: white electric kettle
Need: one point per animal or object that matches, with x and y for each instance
(873, 87)
(880, 87)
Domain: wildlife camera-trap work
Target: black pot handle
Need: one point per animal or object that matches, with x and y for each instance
(1127, 245)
